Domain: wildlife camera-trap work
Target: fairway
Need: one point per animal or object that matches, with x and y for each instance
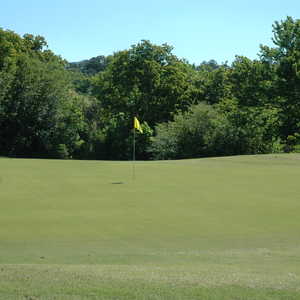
(213, 228)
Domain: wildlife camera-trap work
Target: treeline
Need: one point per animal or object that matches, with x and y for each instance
(55, 109)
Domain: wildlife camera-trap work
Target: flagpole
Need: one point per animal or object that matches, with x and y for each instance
(133, 155)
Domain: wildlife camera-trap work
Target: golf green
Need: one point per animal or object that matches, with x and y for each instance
(213, 228)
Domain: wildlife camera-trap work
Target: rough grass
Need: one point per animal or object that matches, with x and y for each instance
(218, 228)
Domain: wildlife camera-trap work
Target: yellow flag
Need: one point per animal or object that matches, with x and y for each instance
(137, 125)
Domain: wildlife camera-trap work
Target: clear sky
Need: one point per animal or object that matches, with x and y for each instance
(197, 29)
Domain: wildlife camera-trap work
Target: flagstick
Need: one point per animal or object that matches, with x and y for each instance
(133, 158)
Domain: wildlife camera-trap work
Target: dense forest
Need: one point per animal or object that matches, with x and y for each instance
(50, 108)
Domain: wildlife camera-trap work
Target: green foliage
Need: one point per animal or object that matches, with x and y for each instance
(253, 106)
(252, 129)
(146, 80)
(252, 82)
(37, 110)
(208, 65)
(81, 82)
(191, 134)
(31, 106)
(296, 148)
(142, 141)
(116, 135)
(61, 151)
(292, 143)
(90, 66)
(215, 84)
(118, 142)
(285, 57)
(208, 131)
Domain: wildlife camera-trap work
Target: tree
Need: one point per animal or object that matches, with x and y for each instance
(90, 66)
(285, 58)
(225, 129)
(250, 130)
(215, 84)
(147, 80)
(192, 134)
(35, 99)
(252, 82)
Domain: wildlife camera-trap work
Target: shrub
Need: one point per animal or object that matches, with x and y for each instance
(62, 152)
(206, 130)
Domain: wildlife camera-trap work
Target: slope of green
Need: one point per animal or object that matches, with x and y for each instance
(217, 228)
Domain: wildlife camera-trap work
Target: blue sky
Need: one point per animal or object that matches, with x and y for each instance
(197, 29)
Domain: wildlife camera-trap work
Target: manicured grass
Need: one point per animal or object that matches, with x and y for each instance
(217, 228)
